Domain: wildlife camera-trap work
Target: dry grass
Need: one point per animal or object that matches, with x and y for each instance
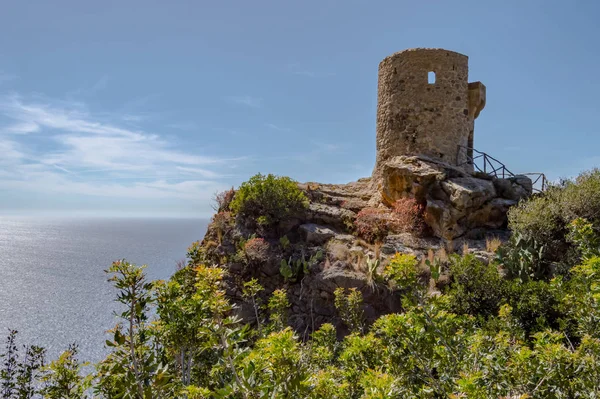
(377, 250)
(430, 255)
(359, 261)
(442, 255)
(338, 251)
(492, 244)
(465, 248)
(449, 246)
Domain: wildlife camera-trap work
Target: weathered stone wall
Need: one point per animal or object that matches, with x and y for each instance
(415, 117)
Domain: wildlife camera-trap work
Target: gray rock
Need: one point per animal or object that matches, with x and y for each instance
(329, 215)
(334, 277)
(514, 188)
(316, 234)
(469, 192)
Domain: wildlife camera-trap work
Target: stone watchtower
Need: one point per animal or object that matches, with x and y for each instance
(426, 106)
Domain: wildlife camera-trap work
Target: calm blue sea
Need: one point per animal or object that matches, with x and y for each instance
(52, 286)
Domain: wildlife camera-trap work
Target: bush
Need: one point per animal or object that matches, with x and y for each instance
(476, 288)
(407, 216)
(373, 224)
(535, 304)
(523, 258)
(402, 274)
(267, 200)
(256, 250)
(545, 218)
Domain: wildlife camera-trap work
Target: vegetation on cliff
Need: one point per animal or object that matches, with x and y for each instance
(526, 324)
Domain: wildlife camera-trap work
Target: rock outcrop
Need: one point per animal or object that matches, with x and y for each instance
(455, 202)
(458, 208)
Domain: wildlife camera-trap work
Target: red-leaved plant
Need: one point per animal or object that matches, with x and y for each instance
(256, 250)
(407, 216)
(374, 224)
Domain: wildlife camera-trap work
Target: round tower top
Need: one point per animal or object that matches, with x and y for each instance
(425, 50)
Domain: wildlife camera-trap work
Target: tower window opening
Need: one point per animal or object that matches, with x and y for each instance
(431, 77)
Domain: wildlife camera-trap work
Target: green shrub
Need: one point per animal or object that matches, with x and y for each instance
(545, 218)
(585, 238)
(581, 197)
(267, 200)
(523, 258)
(401, 272)
(535, 304)
(350, 308)
(476, 288)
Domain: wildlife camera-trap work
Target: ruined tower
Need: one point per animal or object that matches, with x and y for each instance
(426, 106)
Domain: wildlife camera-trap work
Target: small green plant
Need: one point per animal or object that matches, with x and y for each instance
(401, 272)
(267, 200)
(250, 292)
(523, 258)
(284, 242)
(371, 271)
(292, 268)
(20, 372)
(63, 378)
(278, 305)
(435, 267)
(350, 308)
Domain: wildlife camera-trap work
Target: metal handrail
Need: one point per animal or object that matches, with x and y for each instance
(493, 167)
(539, 178)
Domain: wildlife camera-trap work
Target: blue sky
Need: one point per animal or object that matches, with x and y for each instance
(149, 107)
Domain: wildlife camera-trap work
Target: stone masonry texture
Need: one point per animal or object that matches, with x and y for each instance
(416, 117)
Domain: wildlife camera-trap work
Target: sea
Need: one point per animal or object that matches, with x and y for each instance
(53, 288)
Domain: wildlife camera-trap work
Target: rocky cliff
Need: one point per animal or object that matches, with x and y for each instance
(321, 250)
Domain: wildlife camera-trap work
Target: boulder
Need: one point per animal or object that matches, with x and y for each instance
(468, 192)
(316, 234)
(408, 177)
(337, 276)
(514, 188)
(329, 215)
(444, 220)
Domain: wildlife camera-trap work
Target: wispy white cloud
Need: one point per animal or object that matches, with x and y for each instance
(86, 154)
(10, 152)
(21, 128)
(248, 101)
(278, 128)
(209, 174)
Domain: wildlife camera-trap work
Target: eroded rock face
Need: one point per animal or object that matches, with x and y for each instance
(455, 202)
